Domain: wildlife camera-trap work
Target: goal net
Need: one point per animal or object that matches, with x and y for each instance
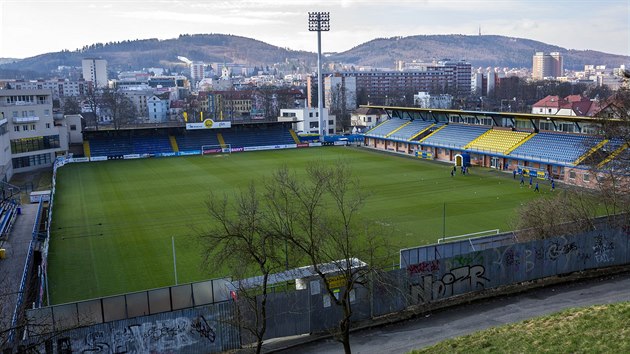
(216, 149)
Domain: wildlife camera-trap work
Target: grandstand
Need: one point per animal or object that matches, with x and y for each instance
(496, 140)
(564, 149)
(387, 127)
(411, 130)
(193, 139)
(264, 135)
(553, 147)
(167, 142)
(454, 135)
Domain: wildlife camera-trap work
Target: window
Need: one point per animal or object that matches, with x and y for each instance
(330, 122)
(33, 160)
(47, 112)
(47, 125)
(586, 177)
(572, 175)
(25, 127)
(34, 144)
(15, 114)
(16, 128)
(310, 114)
(314, 125)
(33, 127)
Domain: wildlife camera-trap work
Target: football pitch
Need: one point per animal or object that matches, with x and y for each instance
(113, 221)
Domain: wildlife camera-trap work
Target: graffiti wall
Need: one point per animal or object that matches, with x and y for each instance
(445, 277)
(200, 330)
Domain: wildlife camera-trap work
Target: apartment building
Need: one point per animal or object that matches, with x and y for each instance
(392, 87)
(547, 65)
(30, 136)
(95, 71)
(60, 87)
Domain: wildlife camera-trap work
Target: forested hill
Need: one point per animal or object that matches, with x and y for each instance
(480, 51)
(137, 54)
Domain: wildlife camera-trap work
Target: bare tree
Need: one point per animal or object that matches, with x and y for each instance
(71, 106)
(120, 107)
(242, 241)
(568, 212)
(315, 219)
(319, 216)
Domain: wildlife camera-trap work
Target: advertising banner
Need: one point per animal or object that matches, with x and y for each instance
(98, 158)
(208, 124)
(269, 147)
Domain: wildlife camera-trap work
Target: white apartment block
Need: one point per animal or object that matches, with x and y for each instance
(158, 109)
(340, 91)
(306, 120)
(60, 87)
(197, 70)
(95, 71)
(30, 137)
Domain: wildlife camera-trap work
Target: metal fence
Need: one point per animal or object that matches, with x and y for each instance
(420, 281)
(209, 329)
(122, 307)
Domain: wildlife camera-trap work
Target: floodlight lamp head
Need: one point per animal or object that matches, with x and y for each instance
(318, 21)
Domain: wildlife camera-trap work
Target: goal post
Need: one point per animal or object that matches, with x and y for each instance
(216, 149)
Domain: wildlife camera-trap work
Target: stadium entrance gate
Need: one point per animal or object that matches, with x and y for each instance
(462, 159)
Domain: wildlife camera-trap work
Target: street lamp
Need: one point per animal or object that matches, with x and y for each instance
(318, 22)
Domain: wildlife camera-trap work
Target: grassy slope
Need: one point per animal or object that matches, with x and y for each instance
(113, 221)
(597, 329)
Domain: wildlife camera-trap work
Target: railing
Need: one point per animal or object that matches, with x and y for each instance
(25, 273)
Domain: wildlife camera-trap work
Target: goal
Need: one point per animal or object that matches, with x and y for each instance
(216, 149)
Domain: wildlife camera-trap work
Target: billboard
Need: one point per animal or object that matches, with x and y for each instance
(208, 124)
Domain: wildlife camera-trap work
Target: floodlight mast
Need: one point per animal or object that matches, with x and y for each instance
(318, 22)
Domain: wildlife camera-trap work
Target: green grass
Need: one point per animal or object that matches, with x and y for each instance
(113, 221)
(596, 329)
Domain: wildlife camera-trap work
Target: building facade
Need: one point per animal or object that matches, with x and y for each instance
(29, 132)
(547, 65)
(60, 87)
(95, 71)
(306, 120)
(395, 87)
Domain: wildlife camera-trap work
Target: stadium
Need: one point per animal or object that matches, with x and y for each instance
(121, 219)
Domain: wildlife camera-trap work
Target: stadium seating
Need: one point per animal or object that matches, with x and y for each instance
(617, 151)
(554, 147)
(496, 140)
(455, 135)
(386, 127)
(8, 212)
(151, 144)
(410, 130)
(115, 146)
(257, 136)
(192, 140)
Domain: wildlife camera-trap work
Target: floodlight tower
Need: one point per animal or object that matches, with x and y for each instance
(318, 22)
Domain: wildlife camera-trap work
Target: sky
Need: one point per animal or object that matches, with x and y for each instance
(33, 27)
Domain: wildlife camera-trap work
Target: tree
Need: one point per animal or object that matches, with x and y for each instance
(319, 215)
(121, 109)
(315, 220)
(568, 212)
(71, 106)
(242, 241)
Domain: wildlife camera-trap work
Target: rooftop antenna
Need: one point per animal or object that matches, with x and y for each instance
(480, 30)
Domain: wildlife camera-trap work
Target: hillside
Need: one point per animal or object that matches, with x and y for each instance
(498, 51)
(128, 55)
(480, 51)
